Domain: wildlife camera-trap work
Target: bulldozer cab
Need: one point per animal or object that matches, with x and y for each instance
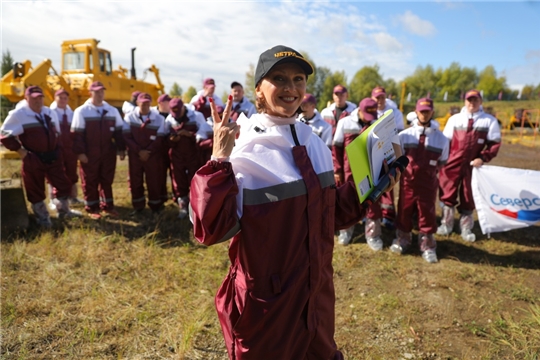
(84, 57)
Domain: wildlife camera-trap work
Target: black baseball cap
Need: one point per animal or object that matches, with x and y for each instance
(278, 55)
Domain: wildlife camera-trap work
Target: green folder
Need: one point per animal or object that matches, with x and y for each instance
(367, 148)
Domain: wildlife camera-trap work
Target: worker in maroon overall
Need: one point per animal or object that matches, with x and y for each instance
(97, 127)
(144, 135)
(387, 199)
(348, 129)
(185, 129)
(427, 150)
(163, 109)
(475, 139)
(65, 118)
(32, 131)
(339, 109)
(270, 187)
(201, 101)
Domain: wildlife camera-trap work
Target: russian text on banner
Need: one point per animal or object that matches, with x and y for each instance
(506, 198)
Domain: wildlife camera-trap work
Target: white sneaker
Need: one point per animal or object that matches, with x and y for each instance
(44, 222)
(396, 248)
(376, 243)
(71, 214)
(75, 201)
(182, 213)
(430, 256)
(468, 236)
(344, 237)
(444, 230)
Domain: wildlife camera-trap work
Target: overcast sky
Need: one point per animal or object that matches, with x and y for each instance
(191, 40)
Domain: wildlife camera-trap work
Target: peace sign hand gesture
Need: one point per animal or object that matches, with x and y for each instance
(225, 133)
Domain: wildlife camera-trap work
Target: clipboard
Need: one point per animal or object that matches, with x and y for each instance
(367, 152)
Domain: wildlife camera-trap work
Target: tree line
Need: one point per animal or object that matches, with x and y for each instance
(448, 84)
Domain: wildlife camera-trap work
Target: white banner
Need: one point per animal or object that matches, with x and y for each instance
(506, 198)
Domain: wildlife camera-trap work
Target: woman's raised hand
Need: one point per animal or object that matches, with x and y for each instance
(225, 133)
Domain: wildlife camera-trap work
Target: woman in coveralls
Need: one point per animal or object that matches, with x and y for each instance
(274, 194)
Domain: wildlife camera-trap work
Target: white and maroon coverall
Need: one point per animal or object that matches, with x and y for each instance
(427, 150)
(244, 106)
(320, 127)
(471, 136)
(201, 104)
(65, 118)
(166, 161)
(145, 132)
(332, 116)
(38, 134)
(277, 199)
(98, 135)
(185, 153)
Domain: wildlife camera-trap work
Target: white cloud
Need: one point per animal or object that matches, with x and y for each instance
(189, 41)
(387, 43)
(415, 25)
(527, 73)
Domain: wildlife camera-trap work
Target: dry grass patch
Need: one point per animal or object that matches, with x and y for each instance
(141, 288)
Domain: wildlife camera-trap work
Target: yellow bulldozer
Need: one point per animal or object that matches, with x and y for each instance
(82, 63)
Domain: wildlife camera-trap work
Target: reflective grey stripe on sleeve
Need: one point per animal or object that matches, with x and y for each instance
(284, 191)
(235, 229)
(230, 233)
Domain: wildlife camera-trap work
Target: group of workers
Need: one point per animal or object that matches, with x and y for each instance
(177, 138)
(172, 137)
(438, 161)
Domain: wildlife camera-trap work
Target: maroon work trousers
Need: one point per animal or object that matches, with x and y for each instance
(419, 201)
(34, 172)
(152, 170)
(183, 171)
(97, 176)
(455, 180)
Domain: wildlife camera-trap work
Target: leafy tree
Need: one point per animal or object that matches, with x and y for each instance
(315, 83)
(536, 92)
(7, 65)
(319, 77)
(7, 62)
(456, 81)
(310, 86)
(330, 81)
(423, 82)
(176, 90)
(393, 90)
(363, 82)
(225, 96)
(490, 84)
(249, 86)
(189, 94)
(527, 93)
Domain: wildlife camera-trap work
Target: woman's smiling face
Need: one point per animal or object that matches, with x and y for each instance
(283, 89)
